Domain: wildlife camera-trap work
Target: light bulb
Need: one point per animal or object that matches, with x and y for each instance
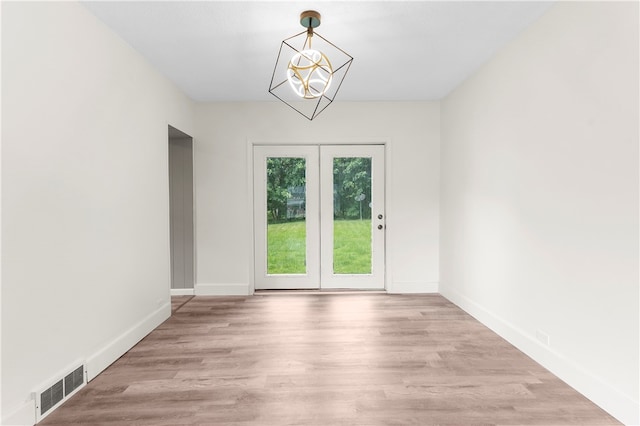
(309, 73)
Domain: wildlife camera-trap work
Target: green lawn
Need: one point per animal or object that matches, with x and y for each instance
(352, 247)
(286, 248)
(351, 252)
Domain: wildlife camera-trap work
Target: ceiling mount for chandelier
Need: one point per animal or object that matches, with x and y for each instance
(309, 69)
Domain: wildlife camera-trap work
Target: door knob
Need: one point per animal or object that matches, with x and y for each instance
(379, 226)
(379, 216)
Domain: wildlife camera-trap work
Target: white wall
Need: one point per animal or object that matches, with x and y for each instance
(539, 198)
(85, 227)
(223, 136)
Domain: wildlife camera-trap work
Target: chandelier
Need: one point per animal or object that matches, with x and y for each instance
(309, 69)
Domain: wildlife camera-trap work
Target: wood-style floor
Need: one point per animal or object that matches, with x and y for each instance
(325, 359)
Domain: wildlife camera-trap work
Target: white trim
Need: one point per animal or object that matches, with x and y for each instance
(386, 142)
(316, 292)
(319, 142)
(610, 399)
(194, 211)
(222, 290)
(23, 416)
(250, 222)
(388, 209)
(413, 287)
(183, 292)
(103, 358)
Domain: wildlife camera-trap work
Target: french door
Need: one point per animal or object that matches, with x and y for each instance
(319, 217)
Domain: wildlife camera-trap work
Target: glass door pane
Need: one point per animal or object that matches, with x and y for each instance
(286, 225)
(352, 215)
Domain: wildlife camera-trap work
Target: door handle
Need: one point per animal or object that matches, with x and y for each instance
(379, 226)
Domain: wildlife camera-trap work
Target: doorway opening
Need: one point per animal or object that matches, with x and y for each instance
(181, 212)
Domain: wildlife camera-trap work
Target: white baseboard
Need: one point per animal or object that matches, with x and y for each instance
(222, 290)
(99, 361)
(23, 416)
(610, 399)
(406, 287)
(183, 292)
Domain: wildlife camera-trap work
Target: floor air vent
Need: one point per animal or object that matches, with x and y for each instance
(50, 397)
(54, 395)
(74, 380)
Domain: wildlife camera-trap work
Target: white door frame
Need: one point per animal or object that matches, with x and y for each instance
(251, 144)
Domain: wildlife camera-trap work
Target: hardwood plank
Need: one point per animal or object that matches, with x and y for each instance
(325, 359)
(178, 301)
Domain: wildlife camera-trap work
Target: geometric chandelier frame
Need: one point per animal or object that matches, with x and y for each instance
(309, 69)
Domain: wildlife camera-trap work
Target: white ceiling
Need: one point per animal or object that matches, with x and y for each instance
(403, 50)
